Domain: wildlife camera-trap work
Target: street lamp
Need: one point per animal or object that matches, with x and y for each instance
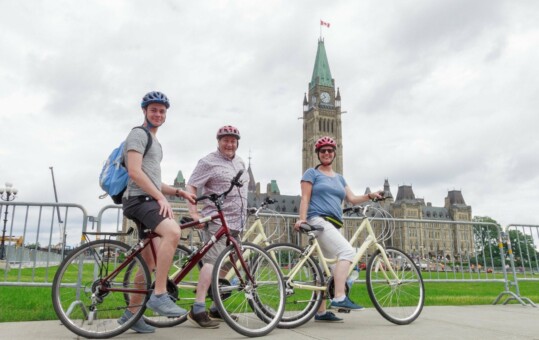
(6, 194)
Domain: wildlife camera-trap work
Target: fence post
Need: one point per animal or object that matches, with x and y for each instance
(512, 296)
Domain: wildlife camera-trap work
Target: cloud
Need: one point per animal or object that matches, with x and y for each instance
(440, 95)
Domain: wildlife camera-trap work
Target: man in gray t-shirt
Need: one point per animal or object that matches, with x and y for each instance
(145, 203)
(212, 175)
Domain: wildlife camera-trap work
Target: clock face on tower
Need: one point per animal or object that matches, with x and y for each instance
(325, 97)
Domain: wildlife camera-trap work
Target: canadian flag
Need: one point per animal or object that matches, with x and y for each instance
(323, 23)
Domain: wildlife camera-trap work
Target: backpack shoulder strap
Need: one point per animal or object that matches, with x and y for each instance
(150, 139)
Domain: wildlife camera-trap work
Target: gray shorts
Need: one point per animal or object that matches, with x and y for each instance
(144, 211)
(216, 250)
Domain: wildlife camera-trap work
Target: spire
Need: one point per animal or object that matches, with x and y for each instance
(387, 189)
(179, 181)
(321, 72)
(252, 183)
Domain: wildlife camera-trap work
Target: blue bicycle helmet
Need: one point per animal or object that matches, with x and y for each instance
(154, 97)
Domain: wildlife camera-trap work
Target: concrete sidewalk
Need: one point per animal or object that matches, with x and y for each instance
(448, 322)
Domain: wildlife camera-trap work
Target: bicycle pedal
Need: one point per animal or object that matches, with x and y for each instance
(343, 310)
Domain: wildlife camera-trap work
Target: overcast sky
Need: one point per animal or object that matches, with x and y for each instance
(440, 95)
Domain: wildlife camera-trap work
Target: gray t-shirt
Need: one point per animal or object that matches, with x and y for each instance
(151, 163)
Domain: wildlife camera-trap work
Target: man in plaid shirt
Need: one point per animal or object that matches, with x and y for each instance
(212, 175)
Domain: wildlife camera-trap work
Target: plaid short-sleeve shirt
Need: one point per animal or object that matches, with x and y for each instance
(212, 175)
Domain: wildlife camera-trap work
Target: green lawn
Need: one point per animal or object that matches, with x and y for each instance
(34, 303)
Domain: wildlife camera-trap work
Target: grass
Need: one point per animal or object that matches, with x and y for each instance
(20, 303)
(34, 303)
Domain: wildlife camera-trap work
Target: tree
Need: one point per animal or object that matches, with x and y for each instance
(33, 246)
(524, 250)
(486, 241)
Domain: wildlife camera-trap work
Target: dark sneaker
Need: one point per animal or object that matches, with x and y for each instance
(164, 306)
(346, 304)
(215, 315)
(327, 317)
(202, 319)
(140, 326)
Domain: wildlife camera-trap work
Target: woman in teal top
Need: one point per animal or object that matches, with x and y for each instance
(322, 194)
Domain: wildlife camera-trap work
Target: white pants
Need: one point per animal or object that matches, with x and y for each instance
(332, 242)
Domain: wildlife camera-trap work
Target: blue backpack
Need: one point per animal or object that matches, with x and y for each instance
(113, 178)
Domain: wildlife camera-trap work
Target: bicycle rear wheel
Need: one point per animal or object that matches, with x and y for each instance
(80, 290)
(244, 304)
(301, 303)
(399, 299)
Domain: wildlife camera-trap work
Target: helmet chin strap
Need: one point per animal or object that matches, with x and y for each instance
(148, 124)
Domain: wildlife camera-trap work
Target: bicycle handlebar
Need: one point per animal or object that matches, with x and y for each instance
(255, 211)
(357, 209)
(214, 197)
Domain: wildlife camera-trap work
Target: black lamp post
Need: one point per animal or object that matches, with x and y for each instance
(6, 194)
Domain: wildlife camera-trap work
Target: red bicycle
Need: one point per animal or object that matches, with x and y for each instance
(92, 286)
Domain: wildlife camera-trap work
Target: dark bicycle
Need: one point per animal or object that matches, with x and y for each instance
(92, 287)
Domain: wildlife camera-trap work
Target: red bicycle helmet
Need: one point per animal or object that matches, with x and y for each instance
(228, 130)
(325, 141)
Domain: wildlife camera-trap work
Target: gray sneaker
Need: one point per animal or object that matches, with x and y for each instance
(140, 326)
(164, 306)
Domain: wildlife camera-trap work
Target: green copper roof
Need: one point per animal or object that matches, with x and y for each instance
(179, 177)
(274, 188)
(321, 72)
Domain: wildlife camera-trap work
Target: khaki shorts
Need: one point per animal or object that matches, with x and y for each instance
(216, 250)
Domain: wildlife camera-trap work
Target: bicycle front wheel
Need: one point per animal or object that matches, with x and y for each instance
(302, 300)
(244, 303)
(89, 291)
(398, 298)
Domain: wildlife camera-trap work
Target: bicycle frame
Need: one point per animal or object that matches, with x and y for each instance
(256, 228)
(314, 247)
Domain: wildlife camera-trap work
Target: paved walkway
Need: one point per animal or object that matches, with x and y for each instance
(448, 322)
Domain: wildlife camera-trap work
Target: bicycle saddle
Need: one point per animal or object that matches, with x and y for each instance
(305, 228)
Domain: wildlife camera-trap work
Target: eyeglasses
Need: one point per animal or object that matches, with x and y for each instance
(326, 151)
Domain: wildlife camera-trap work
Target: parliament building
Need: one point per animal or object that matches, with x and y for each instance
(431, 232)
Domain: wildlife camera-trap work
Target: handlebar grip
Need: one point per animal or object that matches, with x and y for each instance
(201, 198)
(269, 200)
(237, 177)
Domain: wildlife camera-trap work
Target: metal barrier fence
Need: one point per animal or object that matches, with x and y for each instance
(445, 251)
(521, 241)
(44, 229)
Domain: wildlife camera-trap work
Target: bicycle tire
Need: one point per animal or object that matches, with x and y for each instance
(181, 297)
(241, 304)
(301, 304)
(76, 296)
(400, 300)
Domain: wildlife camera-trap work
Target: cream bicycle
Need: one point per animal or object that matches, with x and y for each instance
(394, 282)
